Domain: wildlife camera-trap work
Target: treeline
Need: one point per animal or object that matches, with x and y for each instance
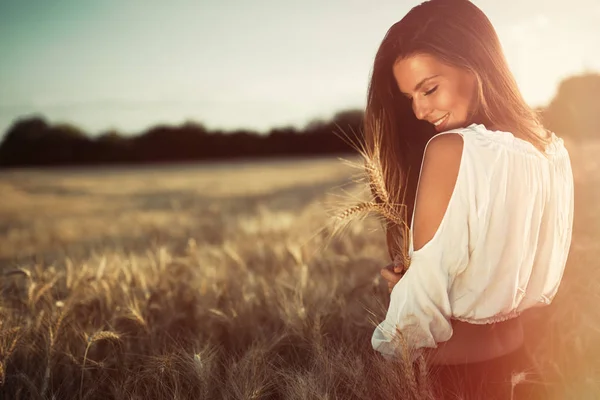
(33, 142)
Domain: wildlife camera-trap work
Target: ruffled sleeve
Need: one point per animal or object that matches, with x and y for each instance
(420, 307)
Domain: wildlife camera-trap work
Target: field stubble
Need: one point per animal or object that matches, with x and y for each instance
(204, 282)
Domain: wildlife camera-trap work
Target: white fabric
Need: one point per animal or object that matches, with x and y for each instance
(500, 249)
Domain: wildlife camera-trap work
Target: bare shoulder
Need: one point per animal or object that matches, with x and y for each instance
(450, 144)
(441, 165)
(441, 160)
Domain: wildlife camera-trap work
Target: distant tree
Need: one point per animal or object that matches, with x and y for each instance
(26, 129)
(316, 124)
(111, 136)
(32, 141)
(349, 124)
(349, 119)
(575, 109)
(16, 147)
(64, 144)
(111, 147)
(194, 126)
(66, 130)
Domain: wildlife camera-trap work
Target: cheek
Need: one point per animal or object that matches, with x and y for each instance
(451, 100)
(458, 101)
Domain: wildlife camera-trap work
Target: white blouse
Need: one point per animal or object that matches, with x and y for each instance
(501, 247)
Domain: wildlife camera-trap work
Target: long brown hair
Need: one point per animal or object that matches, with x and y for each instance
(459, 34)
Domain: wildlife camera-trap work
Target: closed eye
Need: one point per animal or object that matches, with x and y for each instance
(431, 91)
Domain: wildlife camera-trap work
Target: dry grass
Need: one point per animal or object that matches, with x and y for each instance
(139, 284)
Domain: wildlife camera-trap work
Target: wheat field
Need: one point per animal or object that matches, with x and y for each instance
(217, 282)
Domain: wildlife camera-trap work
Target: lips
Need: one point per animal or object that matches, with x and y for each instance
(441, 123)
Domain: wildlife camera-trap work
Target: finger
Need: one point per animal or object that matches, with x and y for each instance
(393, 281)
(387, 274)
(390, 276)
(398, 268)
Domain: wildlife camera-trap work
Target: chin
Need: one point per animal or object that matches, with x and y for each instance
(446, 126)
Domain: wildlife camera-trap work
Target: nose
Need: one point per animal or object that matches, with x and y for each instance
(421, 108)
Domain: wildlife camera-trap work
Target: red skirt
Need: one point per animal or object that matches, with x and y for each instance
(512, 376)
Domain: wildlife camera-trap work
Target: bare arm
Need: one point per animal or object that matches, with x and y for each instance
(420, 303)
(439, 174)
(436, 184)
(441, 164)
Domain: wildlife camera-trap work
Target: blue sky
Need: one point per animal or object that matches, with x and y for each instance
(129, 65)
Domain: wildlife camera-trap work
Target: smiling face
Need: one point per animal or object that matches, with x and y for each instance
(441, 94)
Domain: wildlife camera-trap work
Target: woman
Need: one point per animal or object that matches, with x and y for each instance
(489, 193)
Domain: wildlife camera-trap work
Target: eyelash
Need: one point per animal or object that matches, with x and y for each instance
(431, 91)
(427, 93)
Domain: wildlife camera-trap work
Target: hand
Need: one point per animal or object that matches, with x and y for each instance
(392, 274)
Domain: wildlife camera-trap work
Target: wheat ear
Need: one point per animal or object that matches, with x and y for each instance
(96, 337)
(407, 366)
(373, 172)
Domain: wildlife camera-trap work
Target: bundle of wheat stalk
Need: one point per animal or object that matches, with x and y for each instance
(371, 176)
